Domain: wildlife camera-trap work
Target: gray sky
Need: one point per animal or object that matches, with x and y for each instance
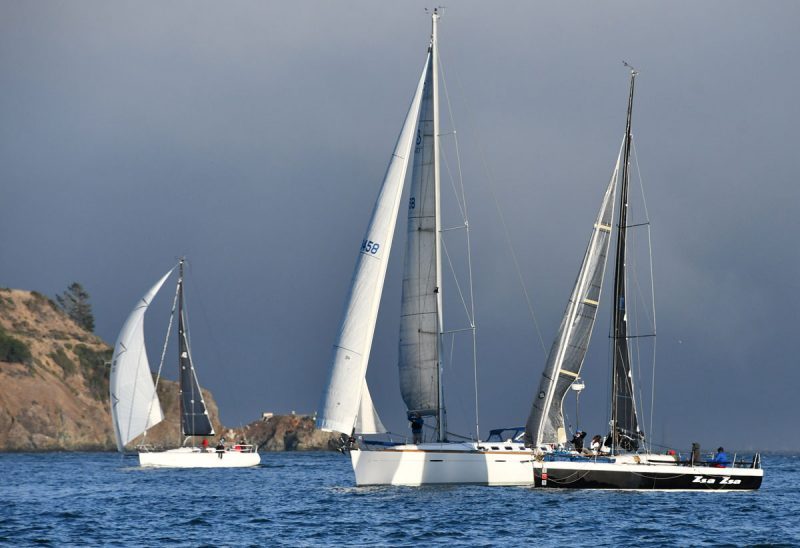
(253, 136)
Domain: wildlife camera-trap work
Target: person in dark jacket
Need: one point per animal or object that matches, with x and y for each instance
(577, 440)
(416, 427)
(721, 459)
(221, 447)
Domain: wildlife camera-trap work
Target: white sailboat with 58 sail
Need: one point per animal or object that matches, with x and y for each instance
(347, 405)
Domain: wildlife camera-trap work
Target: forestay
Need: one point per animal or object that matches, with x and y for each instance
(134, 403)
(546, 421)
(342, 397)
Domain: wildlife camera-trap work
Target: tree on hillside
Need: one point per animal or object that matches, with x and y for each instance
(75, 302)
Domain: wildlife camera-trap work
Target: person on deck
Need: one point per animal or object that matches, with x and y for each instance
(577, 440)
(205, 445)
(721, 459)
(597, 444)
(416, 427)
(221, 447)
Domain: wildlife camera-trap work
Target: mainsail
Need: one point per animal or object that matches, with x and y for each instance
(343, 395)
(546, 420)
(194, 415)
(419, 321)
(624, 424)
(134, 403)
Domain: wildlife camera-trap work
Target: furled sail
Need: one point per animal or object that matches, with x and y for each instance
(419, 321)
(342, 396)
(546, 421)
(134, 403)
(367, 420)
(625, 425)
(194, 415)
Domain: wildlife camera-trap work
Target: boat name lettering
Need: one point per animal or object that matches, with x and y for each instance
(725, 480)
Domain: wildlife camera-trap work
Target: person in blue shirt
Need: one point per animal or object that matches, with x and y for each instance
(721, 459)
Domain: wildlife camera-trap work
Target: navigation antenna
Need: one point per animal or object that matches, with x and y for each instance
(633, 69)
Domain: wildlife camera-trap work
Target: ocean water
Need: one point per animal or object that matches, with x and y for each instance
(309, 499)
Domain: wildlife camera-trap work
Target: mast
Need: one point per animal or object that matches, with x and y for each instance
(624, 424)
(441, 415)
(193, 412)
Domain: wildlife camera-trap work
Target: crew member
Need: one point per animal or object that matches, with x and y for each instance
(416, 427)
(721, 459)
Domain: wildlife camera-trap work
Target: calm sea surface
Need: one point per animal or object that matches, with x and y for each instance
(308, 499)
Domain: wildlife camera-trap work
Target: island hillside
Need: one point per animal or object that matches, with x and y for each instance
(54, 393)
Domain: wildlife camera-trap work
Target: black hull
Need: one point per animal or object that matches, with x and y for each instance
(688, 480)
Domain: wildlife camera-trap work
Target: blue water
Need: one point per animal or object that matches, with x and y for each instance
(308, 499)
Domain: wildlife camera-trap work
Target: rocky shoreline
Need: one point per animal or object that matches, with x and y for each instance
(55, 394)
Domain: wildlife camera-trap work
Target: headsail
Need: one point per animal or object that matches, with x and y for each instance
(194, 415)
(342, 395)
(134, 403)
(419, 321)
(625, 425)
(367, 420)
(546, 421)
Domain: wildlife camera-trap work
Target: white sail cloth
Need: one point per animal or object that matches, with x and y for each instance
(134, 403)
(367, 420)
(419, 320)
(343, 395)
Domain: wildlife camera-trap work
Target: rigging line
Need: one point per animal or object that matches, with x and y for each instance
(163, 354)
(652, 281)
(492, 185)
(469, 249)
(458, 286)
(463, 209)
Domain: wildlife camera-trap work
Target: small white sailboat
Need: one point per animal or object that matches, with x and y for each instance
(624, 462)
(135, 406)
(346, 405)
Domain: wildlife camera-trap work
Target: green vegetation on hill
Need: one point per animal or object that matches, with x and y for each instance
(94, 368)
(14, 350)
(75, 302)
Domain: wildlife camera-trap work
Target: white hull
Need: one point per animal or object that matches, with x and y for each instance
(444, 463)
(191, 457)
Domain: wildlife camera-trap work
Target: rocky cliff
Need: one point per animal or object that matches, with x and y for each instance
(54, 389)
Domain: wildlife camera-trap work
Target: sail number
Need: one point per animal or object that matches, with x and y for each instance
(368, 246)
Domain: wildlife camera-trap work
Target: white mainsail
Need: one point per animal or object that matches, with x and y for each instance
(419, 318)
(134, 403)
(546, 421)
(343, 394)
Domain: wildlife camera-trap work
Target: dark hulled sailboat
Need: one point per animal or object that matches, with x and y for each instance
(624, 463)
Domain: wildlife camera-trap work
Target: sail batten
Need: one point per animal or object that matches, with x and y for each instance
(546, 421)
(340, 401)
(134, 403)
